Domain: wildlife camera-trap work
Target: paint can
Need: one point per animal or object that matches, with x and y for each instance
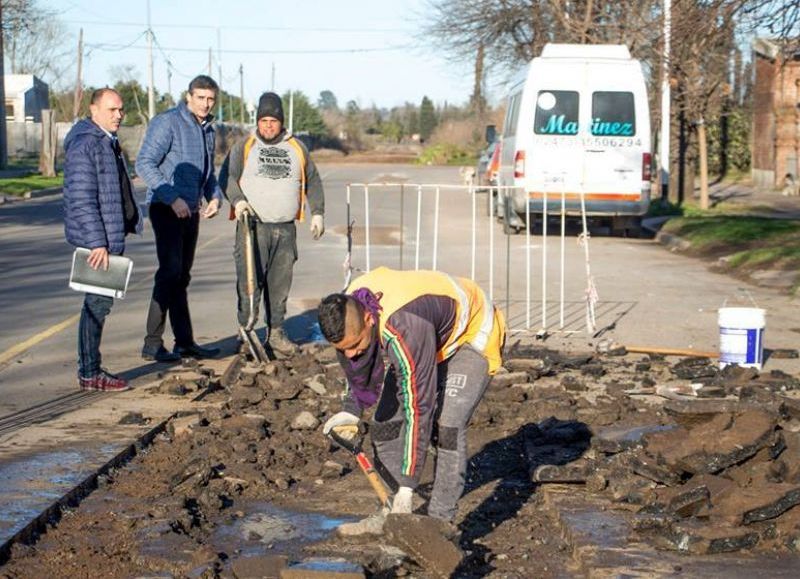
(741, 337)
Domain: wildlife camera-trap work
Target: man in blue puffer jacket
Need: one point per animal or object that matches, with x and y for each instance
(176, 162)
(99, 210)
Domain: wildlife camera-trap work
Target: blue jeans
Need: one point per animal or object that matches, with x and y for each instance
(90, 330)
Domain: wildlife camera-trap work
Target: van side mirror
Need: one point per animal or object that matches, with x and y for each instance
(491, 133)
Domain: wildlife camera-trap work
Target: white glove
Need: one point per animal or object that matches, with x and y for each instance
(241, 208)
(317, 226)
(401, 503)
(343, 423)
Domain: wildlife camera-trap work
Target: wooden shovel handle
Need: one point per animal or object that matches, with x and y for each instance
(373, 478)
(248, 255)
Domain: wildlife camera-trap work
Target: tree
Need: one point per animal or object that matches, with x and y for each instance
(327, 101)
(35, 40)
(306, 117)
(427, 118)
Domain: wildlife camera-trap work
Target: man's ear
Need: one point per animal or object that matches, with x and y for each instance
(369, 321)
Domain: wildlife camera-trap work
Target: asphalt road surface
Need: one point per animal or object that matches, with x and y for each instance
(647, 296)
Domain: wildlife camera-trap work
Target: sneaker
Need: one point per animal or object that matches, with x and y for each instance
(104, 382)
(279, 342)
(195, 351)
(372, 525)
(160, 354)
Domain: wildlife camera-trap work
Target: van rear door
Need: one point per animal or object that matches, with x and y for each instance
(617, 134)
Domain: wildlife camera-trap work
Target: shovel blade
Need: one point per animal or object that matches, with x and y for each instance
(254, 345)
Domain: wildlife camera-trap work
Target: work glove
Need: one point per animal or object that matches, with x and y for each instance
(402, 501)
(317, 226)
(343, 424)
(241, 208)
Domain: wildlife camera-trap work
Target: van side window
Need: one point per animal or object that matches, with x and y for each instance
(556, 113)
(613, 114)
(512, 113)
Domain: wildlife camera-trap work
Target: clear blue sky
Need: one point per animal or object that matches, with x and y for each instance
(403, 68)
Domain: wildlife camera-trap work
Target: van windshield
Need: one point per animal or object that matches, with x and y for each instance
(556, 113)
(613, 114)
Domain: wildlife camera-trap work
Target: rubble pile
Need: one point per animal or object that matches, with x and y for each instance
(718, 471)
(704, 461)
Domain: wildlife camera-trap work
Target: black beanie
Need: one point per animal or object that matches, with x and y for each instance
(270, 105)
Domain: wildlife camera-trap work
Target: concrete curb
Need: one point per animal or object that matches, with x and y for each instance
(672, 242)
(42, 192)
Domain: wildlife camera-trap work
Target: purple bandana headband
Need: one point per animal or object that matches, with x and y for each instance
(367, 370)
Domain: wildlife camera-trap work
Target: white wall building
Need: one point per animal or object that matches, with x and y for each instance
(26, 96)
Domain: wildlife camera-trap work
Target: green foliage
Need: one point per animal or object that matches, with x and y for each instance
(232, 112)
(21, 185)
(733, 231)
(306, 116)
(327, 101)
(738, 145)
(427, 118)
(446, 154)
(393, 130)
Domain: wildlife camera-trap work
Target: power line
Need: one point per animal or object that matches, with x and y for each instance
(255, 28)
(116, 47)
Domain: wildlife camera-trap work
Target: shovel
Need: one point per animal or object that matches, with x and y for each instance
(248, 334)
(353, 446)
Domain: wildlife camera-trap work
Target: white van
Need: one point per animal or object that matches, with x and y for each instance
(577, 121)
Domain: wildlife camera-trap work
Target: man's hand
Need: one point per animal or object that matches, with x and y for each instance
(212, 208)
(317, 226)
(241, 208)
(98, 258)
(180, 208)
(343, 424)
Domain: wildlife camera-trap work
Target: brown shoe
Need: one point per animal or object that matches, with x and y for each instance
(280, 342)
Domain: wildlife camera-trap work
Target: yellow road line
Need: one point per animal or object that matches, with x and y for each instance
(15, 351)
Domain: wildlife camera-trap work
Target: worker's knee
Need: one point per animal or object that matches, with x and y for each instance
(386, 431)
(448, 437)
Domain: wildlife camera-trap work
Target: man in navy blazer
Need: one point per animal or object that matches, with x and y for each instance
(99, 210)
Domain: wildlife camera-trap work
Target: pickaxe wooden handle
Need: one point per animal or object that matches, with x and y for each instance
(354, 447)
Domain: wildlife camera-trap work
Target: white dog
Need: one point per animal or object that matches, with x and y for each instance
(791, 186)
(467, 175)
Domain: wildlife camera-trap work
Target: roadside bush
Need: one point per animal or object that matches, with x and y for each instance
(446, 154)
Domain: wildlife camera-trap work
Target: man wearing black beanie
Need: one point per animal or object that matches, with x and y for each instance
(270, 177)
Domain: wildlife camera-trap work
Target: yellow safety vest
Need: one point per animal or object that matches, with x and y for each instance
(478, 323)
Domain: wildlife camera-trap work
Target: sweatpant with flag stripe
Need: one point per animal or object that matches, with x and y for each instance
(461, 381)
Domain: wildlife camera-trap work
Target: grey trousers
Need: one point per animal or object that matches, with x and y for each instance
(275, 251)
(462, 380)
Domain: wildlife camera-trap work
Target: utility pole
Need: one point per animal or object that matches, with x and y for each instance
(219, 68)
(272, 86)
(665, 103)
(169, 79)
(291, 110)
(3, 136)
(209, 61)
(151, 96)
(76, 101)
(241, 93)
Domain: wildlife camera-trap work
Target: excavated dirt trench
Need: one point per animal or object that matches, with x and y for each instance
(708, 462)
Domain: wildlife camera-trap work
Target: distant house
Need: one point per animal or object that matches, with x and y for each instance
(26, 96)
(776, 113)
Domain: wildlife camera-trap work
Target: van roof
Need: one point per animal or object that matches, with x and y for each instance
(608, 51)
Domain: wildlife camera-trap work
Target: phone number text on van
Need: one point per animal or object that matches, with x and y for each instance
(587, 142)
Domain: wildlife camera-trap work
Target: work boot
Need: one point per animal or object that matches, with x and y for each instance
(372, 525)
(196, 351)
(280, 342)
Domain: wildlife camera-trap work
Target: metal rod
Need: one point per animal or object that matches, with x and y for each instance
(366, 223)
(527, 260)
(508, 274)
(491, 248)
(419, 226)
(402, 221)
(474, 232)
(436, 231)
(544, 257)
(563, 250)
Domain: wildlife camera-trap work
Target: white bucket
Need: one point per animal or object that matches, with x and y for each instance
(741, 337)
